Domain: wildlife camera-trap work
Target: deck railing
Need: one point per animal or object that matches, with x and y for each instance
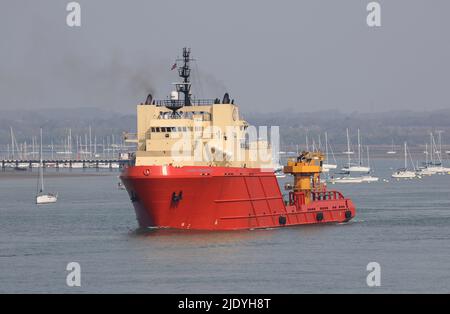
(327, 195)
(180, 103)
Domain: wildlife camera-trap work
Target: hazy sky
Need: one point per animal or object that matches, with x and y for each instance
(270, 55)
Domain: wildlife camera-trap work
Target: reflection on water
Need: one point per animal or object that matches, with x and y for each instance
(199, 236)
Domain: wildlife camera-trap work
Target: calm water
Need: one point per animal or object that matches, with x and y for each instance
(404, 226)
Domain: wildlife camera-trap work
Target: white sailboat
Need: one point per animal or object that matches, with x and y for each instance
(348, 151)
(404, 173)
(346, 179)
(358, 167)
(327, 166)
(369, 178)
(436, 165)
(41, 197)
(425, 170)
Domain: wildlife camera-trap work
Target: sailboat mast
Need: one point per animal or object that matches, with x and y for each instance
(12, 143)
(359, 148)
(406, 157)
(70, 143)
(431, 148)
(90, 141)
(439, 132)
(307, 144)
(326, 147)
(41, 171)
(348, 149)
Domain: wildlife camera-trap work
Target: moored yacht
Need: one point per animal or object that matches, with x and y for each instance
(359, 166)
(327, 166)
(404, 173)
(41, 196)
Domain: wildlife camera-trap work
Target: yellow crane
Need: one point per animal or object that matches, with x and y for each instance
(306, 169)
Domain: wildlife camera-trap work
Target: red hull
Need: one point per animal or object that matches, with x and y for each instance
(223, 198)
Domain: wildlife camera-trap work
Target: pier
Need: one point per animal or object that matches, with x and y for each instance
(20, 164)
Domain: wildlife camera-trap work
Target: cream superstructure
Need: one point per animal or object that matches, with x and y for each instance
(184, 131)
(197, 135)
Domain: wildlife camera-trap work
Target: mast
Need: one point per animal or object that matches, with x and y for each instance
(348, 149)
(85, 146)
(431, 148)
(406, 158)
(90, 141)
(326, 147)
(32, 147)
(12, 143)
(439, 132)
(307, 142)
(113, 143)
(70, 143)
(41, 173)
(359, 149)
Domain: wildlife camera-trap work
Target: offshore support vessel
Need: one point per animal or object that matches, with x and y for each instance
(172, 185)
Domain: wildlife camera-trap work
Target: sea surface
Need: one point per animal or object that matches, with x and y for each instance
(402, 225)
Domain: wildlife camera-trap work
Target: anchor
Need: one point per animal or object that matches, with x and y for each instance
(177, 197)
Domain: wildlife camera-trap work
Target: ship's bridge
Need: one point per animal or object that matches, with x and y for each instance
(212, 122)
